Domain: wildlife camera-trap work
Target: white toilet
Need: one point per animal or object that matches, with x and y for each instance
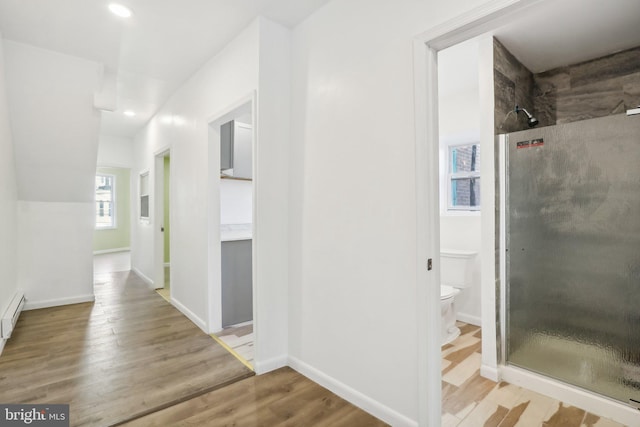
(455, 275)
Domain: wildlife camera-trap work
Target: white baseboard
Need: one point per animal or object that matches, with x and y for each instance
(110, 251)
(34, 305)
(143, 277)
(190, 315)
(3, 342)
(490, 373)
(467, 318)
(596, 404)
(362, 401)
(264, 366)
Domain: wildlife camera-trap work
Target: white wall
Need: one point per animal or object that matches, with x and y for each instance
(236, 200)
(459, 121)
(8, 198)
(115, 151)
(227, 77)
(353, 226)
(272, 202)
(55, 131)
(55, 250)
(55, 126)
(182, 125)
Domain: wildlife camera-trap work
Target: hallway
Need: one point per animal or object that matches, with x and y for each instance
(131, 358)
(128, 354)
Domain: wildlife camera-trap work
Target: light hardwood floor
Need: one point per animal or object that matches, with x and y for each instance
(127, 354)
(470, 400)
(279, 398)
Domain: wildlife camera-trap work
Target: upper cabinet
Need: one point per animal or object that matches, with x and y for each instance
(236, 150)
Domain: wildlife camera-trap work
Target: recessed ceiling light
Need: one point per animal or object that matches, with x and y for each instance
(120, 10)
(129, 113)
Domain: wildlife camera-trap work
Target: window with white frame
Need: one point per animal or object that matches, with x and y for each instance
(463, 177)
(105, 201)
(144, 195)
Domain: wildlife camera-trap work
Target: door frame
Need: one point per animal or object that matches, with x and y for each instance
(473, 23)
(246, 104)
(158, 209)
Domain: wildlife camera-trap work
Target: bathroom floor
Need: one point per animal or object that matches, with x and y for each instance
(239, 338)
(471, 400)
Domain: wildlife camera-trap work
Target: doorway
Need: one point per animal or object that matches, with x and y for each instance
(484, 19)
(162, 230)
(232, 165)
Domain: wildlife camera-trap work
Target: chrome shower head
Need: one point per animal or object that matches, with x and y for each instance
(531, 121)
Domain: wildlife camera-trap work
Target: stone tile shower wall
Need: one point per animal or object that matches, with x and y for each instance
(514, 85)
(600, 87)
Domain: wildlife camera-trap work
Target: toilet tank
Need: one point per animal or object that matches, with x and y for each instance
(455, 267)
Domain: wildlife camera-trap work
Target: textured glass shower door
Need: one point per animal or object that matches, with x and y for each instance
(573, 254)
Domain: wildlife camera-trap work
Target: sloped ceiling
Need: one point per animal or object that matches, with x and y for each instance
(151, 53)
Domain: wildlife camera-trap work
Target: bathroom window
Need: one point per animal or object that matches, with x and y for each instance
(105, 201)
(144, 196)
(463, 179)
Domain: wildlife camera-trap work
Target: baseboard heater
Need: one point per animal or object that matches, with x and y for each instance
(10, 317)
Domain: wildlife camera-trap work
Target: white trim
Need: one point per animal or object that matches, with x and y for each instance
(502, 170)
(157, 206)
(34, 305)
(245, 104)
(263, 366)
(352, 395)
(110, 251)
(427, 241)
(490, 372)
(190, 315)
(596, 404)
(466, 26)
(467, 318)
(228, 113)
(3, 342)
(146, 279)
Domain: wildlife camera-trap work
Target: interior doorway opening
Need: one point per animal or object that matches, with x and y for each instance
(162, 229)
(487, 19)
(232, 166)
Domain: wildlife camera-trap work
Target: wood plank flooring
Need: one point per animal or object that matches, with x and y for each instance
(471, 400)
(279, 398)
(127, 354)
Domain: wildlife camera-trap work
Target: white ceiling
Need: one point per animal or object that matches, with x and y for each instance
(551, 34)
(153, 52)
(554, 33)
(166, 41)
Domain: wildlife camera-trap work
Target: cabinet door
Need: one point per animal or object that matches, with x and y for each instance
(226, 145)
(242, 151)
(237, 287)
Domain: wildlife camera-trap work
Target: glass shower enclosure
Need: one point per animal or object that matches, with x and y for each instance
(573, 254)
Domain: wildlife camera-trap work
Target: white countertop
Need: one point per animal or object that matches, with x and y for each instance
(231, 232)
